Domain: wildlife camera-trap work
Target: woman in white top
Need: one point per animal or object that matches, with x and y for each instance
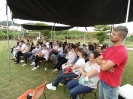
(43, 55)
(67, 74)
(88, 79)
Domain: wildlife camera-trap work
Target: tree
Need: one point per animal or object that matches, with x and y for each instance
(101, 32)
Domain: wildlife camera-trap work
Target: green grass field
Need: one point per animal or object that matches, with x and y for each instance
(23, 78)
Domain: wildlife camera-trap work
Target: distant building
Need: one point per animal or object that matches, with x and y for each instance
(14, 28)
(129, 34)
(2, 27)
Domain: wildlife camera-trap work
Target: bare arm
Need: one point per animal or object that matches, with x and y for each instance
(74, 67)
(99, 59)
(92, 73)
(82, 70)
(107, 65)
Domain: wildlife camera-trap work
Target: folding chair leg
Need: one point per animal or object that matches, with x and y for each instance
(95, 95)
(83, 96)
(64, 88)
(44, 95)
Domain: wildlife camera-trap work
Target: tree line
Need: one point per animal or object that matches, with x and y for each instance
(101, 33)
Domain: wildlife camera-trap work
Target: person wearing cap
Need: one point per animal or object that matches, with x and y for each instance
(69, 59)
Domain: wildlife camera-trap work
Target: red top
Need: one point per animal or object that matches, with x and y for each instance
(119, 56)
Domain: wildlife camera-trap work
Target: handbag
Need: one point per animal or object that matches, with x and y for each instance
(55, 53)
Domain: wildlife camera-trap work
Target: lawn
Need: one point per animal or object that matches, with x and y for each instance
(23, 78)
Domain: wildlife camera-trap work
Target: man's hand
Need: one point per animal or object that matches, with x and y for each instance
(111, 70)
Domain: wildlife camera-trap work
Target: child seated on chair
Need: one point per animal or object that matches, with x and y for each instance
(88, 79)
(67, 74)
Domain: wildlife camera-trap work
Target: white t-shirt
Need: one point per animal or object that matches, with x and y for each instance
(46, 54)
(23, 47)
(60, 49)
(47, 44)
(40, 47)
(37, 50)
(79, 62)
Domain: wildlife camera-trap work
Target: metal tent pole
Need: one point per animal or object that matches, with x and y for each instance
(85, 35)
(8, 45)
(51, 32)
(54, 31)
(23, 33)
(13, 30)
(127, 15)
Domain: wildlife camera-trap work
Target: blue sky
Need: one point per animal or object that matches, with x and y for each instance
(3, 17)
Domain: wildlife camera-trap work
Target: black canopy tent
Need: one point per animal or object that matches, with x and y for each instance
(72, 12)
(52, 28)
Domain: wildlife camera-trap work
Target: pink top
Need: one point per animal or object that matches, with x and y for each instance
(71, 56)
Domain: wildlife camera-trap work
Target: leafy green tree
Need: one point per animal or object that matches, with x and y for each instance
(12, 34)
(2, 35)
(101, 32)
(130, 38)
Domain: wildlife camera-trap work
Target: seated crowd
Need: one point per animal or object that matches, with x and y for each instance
(76, 63)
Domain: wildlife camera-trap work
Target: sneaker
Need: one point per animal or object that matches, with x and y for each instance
(35, 68)
(55, 70)
(21, 61)
(33, 63)
(24, 64)
(77, 97)
(49, 84)
(60, 84)
(51, 87)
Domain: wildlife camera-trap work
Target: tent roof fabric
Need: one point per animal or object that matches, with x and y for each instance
(72, 12)
(57, 28)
